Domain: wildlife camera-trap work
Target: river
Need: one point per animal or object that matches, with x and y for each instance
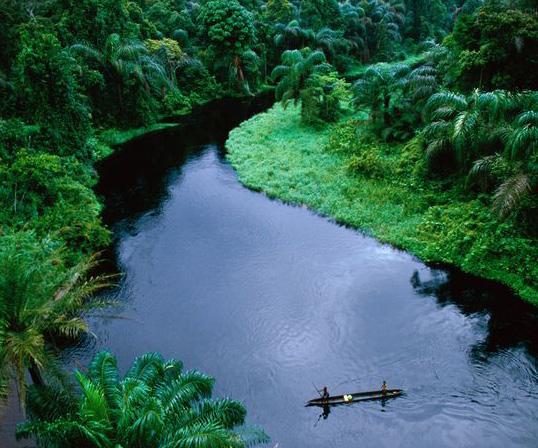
(271, 299)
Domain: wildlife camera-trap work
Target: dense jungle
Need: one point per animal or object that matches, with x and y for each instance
(413, 122)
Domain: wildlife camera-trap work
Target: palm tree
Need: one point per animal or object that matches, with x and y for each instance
(420, 84)
(243, 70)
(122, 60)
(468, 127)
(354, 28)
(292, 36)
(517, 161)
(383, 21)
(156, 404)
(393, 94)
(40, 302)
(168, 54)
(291, 76)
(331, 42)
(374, 90)
(494, 135)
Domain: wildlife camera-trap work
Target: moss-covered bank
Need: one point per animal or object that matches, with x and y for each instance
(376, 192)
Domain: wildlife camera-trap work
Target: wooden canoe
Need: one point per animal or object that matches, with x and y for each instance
(360, 396)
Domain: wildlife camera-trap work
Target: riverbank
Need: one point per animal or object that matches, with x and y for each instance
(110, 138)
(376, 193)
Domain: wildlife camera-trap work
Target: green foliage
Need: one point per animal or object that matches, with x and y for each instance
(231, 34)
(393, 94)
(427, 18)
(371, 162)
(166, 16)
(54, 195)
(156, 404)
(323, 98)
(40, 300)
(319, 13)
(279, 11)
(374, 89)
(291, 35)
(228, 26)
(117, 137)
(93, 21)
(354, 28)
(383, 27)
(15, 133)
(132, 78)
(305, 75)
(48, 92)
(496, 48)
(487, 130)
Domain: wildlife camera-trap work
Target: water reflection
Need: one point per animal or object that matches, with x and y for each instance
(136, 178)
(510, 321)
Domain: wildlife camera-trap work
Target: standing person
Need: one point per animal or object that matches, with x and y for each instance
(384, 388)
(325, 394)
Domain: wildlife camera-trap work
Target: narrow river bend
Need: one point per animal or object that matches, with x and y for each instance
(271, 299)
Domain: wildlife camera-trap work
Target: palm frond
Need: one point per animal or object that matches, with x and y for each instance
(190, 386)
(437, 129)
(523, 141)
(225, 412)
(86, 51)
(437, 147)
(443, 100)
(93, 405)
(103, 370)
(465, 124)
(482, 170)
(201, 436)
(148, 368)
(49, 403)
(509, 195)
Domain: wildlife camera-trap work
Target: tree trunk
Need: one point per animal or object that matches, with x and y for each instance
(35, 374)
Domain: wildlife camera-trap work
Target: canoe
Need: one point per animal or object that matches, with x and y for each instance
(360, 396)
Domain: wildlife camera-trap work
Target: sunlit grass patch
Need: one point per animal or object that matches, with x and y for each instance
(116, 137)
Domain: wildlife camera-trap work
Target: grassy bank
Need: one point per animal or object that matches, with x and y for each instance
(109, 138)
(118, 137)
(373, 190)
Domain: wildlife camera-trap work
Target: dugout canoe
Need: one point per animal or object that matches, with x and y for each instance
(355, 398)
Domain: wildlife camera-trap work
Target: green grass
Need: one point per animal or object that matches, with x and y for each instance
(116, 137)
(375, 191)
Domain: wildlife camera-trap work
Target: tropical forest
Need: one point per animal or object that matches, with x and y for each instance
(280, 223)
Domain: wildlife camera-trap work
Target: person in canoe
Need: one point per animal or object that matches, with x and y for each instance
(325, 393)
(384, 388)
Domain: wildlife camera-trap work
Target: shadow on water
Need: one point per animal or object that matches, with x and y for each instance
(135, 179)
(511, 321)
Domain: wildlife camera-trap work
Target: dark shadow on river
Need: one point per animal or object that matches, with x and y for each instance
(271, 299)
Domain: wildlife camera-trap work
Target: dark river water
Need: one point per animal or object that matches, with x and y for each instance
(272, 299)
